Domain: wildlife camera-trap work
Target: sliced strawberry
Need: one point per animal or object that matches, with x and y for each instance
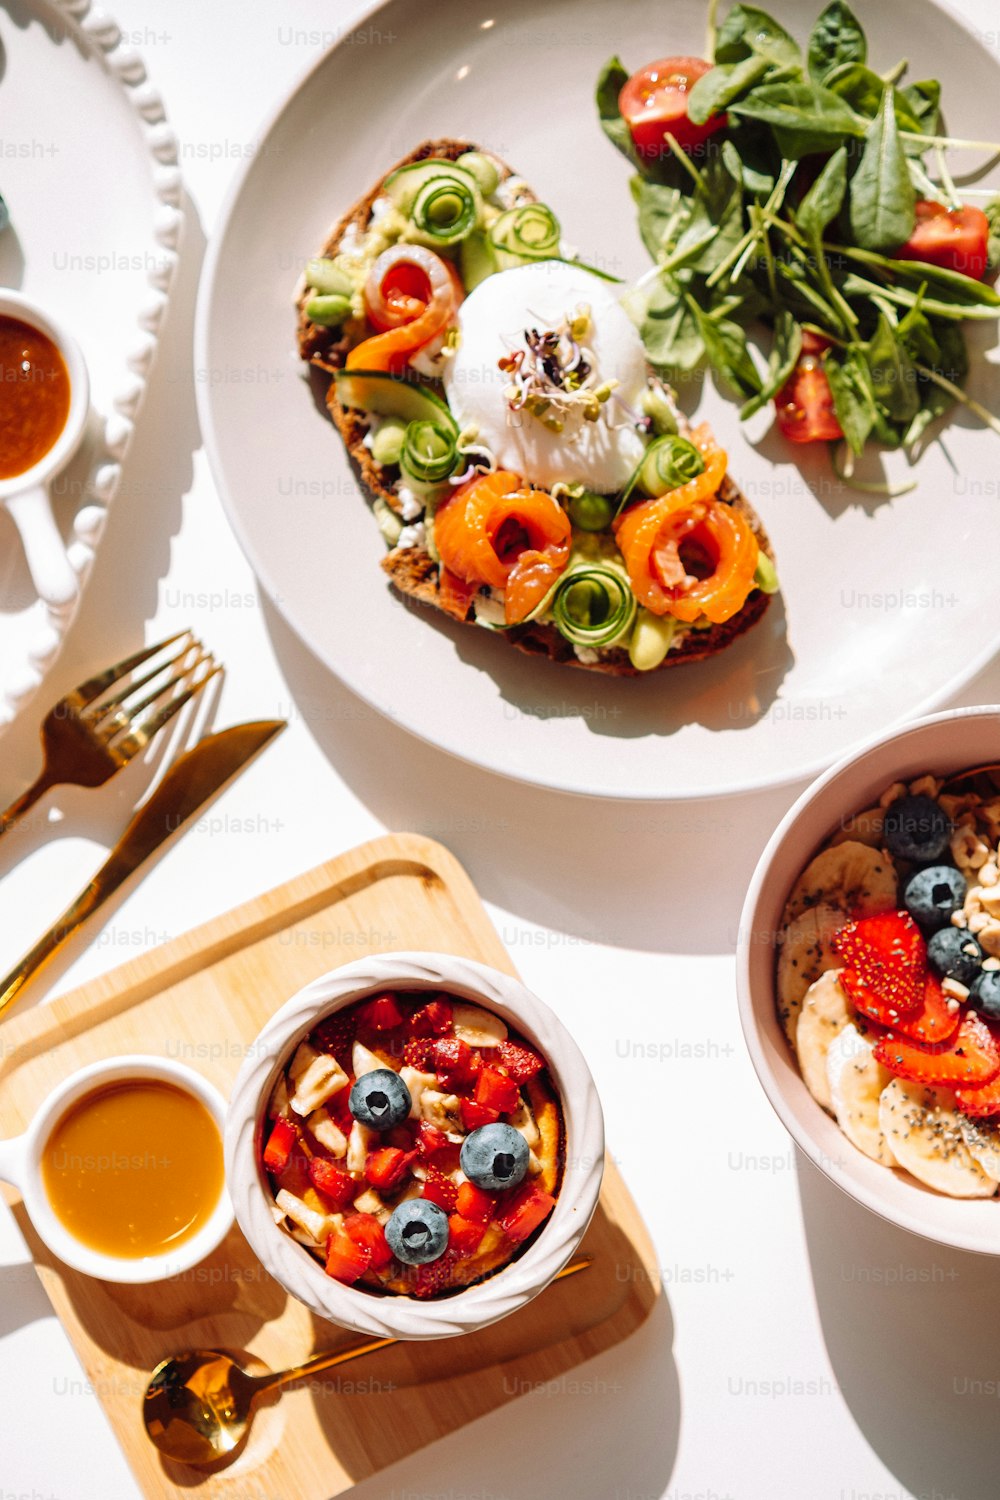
(980, 1103)
(474, 1115)
(440, 1190)
(336, 1035)
(522, 1213)
(431, 1141)
(464, 1235)
(280, 1144)
(340, 1110)
(475, 1203)
(367, 1233)
(886, 960)
(387, 1166)
(332, 1181)
(381, 1014)
(935, 1021)
(436, 1276)
(419, 1053)
(496, 1091)
(520, 1063)
(967, 1060)
(455, 1063)
(433, 1019)
(345, 1260)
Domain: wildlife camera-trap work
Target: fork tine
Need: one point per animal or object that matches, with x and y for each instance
(133, 712)
(95, 686)
(152, 726)
(101, 710)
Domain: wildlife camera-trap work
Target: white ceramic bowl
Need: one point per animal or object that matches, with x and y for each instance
(397, 1316)
(20, 1164)
(942, 744)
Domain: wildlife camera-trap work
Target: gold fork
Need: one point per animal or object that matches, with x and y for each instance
(87, 737)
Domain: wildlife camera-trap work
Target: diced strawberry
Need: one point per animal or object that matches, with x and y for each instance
(294, 1175)
(440, 1190)
(381, 1014)
(474, 1115)
(520, 1063)
(464, 1235)
(346, 1260)
(339, 1107)
(280, 1145)
(522, 1213)
(455, 1063)
(366, 1232)
(335, 1034)
(496, 1091)
(431, 1140)
(403, 1136)
(435, 1276)
(433, 1019)
(332, 1181)
(419, 1053)
(475, 1203)
(886, 958)
(967, 1060)
(387, 1166)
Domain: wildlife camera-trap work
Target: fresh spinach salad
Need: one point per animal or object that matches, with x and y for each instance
(809, 194)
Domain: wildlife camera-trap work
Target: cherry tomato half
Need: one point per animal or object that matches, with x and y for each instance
(806, 413)
(955, 238)
(654, 101)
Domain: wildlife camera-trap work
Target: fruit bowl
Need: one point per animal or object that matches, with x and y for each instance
(944, 745)
(391, 1315)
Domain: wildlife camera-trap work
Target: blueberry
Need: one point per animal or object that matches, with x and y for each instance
(380, 1099)
(986, 993)
(417, 1231)
(953, 952)
(932, 895)
(495, 1156)
(916, 828)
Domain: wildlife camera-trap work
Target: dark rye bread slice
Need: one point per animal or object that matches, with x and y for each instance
(412, 570)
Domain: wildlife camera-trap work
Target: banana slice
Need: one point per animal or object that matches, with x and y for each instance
(857, 1080)
(805, 952)
(983, 1140)
(823, 1016)
(850, 876)
(925, 1135)
(864, 828)
(478, 1027)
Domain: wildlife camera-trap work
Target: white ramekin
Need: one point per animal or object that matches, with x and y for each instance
(27, 495)
(942, 744)
(20, 1165)
(402, 1317)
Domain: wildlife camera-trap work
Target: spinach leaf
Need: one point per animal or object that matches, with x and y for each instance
(837, 38)
(863, 89)
(747, 31)
(610, 83)
(759, 156)
(718, 88)
(824, 200)
(893, 378)
(953, 363)
(883, 202)
(784, 356)
(667, 326)
(853, 399)
(805, 117)
(923, 100)
(946, 285)
(916, 332)
(726, 347)
(715, 225)
(663, 212)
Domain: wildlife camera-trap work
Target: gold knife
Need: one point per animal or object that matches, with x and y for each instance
(191, 782)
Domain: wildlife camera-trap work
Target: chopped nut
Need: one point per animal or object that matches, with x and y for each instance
(991, 963)
(988, 873)
(967, 848)
(892, 794)
(956, 990)
(989, 937)
(989, 899)
(925, 786)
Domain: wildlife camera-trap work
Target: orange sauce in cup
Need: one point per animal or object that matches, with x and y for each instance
(34, 396)
(134, 1168)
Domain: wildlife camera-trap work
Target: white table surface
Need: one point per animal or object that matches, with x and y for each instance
(802, 1347)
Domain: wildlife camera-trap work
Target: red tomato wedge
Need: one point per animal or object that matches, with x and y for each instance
(654, 104)
(968, 1060)
(495, 530)
(804, 405)
(955, 238)
(687, 553)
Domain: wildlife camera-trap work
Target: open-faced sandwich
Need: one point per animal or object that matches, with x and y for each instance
(529, 471)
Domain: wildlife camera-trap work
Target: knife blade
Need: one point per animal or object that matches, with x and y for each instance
(193, 780)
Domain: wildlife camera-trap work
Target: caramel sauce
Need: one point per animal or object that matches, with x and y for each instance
(34, 396)
(134, 1168)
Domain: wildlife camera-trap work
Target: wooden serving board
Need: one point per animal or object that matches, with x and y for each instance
(203, 998)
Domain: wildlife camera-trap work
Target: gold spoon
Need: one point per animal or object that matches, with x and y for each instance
(984, 780)
(198, 1406)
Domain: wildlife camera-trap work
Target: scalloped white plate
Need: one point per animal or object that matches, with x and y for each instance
(887, 607)
(88, 167)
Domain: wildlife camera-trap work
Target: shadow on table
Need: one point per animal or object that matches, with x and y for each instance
(911, 1330)
(22, 1298)
(592, 868)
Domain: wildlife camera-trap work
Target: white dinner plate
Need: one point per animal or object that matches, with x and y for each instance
(887, 606)
(88, 167)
